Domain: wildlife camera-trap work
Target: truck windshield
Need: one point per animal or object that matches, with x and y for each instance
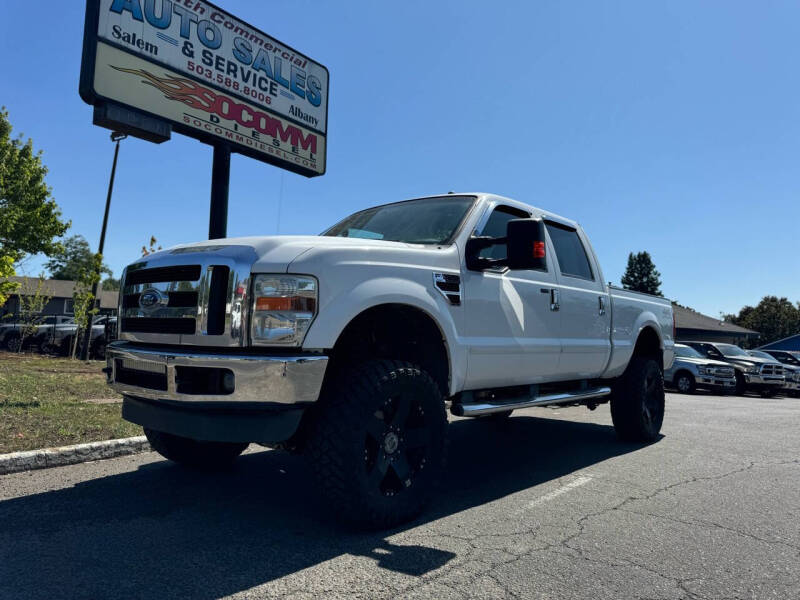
(731, 350)
(424, 221)
(687, 352)
(787, 358)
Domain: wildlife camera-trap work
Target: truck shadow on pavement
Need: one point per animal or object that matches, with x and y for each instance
(161, 531)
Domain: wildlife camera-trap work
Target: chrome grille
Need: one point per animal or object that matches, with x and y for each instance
(771, 369)
(176, 303)
(723, 371)
(163, 274)
(201, 302)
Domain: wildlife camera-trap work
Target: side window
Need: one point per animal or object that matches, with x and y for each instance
(572, 258)
(496, 227)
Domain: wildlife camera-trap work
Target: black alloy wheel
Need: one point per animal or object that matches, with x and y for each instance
(396, 444)
(637, 401)
(653, 401)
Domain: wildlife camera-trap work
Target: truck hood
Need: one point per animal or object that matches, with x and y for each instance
(705, 362)
(276, 252)
(750, 361)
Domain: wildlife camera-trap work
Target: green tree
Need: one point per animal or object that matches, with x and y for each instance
(30, 220)
(774, 318)
(32, 301)
(73, 260)
(641, 274)
(110, 284)
(6, 270)
(83, 301)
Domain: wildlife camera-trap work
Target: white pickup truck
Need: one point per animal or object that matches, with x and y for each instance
(350, 346)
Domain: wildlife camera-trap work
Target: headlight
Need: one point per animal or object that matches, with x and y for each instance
(754, 370)
(704, 370)
(283, 307)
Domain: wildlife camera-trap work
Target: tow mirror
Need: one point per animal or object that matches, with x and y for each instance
(525, 243)
(525, 240)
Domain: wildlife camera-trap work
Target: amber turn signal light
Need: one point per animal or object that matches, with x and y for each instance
(294, 303)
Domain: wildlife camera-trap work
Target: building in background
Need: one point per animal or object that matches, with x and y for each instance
(691, 326)
(60, 303)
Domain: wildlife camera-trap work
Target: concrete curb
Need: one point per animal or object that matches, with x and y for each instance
(70, 455)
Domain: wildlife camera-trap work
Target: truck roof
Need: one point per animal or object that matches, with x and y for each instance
(488, 197)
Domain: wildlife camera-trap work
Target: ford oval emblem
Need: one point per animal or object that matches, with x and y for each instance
(151, 298)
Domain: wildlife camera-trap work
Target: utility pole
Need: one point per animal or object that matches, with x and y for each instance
(220, 183)
(87, 336)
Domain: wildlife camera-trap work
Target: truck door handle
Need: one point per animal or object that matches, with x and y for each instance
(602, 304)
(554, 299)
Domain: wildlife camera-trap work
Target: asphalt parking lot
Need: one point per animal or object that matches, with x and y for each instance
(546, 505)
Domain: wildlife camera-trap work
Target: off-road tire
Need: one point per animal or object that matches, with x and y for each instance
(377, 441)
(685, 383)
(196, 454)
(637, 401)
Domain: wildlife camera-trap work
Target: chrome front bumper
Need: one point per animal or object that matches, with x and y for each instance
(278, 380)
(717, 382)
(765, 380)
(792, 385)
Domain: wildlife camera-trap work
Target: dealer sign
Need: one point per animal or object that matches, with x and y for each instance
(210, 75)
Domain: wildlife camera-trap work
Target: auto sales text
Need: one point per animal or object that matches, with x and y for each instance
(253, 56)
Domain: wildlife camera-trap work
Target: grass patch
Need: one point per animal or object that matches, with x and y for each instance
(41, 403)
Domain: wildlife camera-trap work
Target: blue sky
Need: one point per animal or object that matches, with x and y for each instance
(672, 127)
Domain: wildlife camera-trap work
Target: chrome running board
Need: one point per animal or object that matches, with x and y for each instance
(476, 409)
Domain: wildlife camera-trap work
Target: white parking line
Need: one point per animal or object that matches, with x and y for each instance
(577, 482)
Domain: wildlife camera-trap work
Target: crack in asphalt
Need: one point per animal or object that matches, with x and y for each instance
(714, 525)
(566, 547)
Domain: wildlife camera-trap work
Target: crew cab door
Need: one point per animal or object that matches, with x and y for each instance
(583, 303)
(510, 330)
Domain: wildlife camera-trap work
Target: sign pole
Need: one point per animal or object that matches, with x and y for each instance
(220, 183)
(87, 334)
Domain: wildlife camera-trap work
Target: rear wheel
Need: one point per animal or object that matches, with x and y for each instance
(685, 383)
(13, 342)
(45, 346)
(194, 453)
(377, 443)
(637, 403)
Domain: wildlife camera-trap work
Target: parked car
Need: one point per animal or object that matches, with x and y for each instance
(103, 328)
(791, 366)
(691, 370)
(352, 344)
(11, 333)
(753, 373)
